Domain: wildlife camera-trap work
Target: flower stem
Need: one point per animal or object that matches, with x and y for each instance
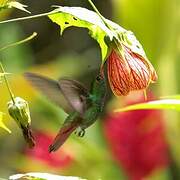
(99, 14)
(7, 83)
(19, 42)
(116, 40)
(27, 17)
(96, 10)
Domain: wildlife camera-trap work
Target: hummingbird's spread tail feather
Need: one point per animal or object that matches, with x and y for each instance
(27, 133)
(62, 136)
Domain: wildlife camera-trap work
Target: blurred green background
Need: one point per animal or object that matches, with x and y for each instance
(156, 24)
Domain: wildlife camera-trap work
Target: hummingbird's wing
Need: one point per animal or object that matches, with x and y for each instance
(70, 124)
(51, 89)
(76, 94)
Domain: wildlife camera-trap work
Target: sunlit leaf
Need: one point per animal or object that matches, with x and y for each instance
(177, 96)
(2, 125)
(103, 31)
(42, 176)
(173, 104)
(82, 17)
(18, 5)
(5, 4)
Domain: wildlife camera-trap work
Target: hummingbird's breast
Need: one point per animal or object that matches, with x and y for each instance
(90, 116)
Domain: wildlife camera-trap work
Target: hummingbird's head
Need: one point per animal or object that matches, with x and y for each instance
(99, 87)
(99, 79)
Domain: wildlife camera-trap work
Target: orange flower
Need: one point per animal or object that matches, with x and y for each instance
(129, 71)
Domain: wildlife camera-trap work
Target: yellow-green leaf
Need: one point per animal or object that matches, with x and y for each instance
(2, 125)
(103, 31)
(5, 4)
(82, 17)
(173, 104)
(19, 6)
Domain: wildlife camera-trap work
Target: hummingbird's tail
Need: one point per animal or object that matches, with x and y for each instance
(27, 133)
(62, 136)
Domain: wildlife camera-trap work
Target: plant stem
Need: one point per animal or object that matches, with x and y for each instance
(97, 11)
(19, 42)
(116, 39)
(27, 17)
(7, 83)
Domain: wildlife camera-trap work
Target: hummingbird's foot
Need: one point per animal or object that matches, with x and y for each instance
(81, 133)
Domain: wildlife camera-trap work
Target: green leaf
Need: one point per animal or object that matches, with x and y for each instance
(173, 104)
(42, 176)
(177, 96)
(19, 6)
(2, 125)
(103, 31)
(5, 4)
(82, 17)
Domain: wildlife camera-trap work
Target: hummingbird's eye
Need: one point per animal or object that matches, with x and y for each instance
(98, 78)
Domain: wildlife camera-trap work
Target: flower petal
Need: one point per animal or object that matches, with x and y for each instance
(118, 74)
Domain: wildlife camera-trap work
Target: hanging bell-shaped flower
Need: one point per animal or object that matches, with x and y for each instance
(128, 67)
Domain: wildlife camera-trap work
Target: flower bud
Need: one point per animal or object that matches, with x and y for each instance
(19, 111)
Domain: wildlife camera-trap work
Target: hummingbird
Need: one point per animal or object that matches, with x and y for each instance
(82, 106)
